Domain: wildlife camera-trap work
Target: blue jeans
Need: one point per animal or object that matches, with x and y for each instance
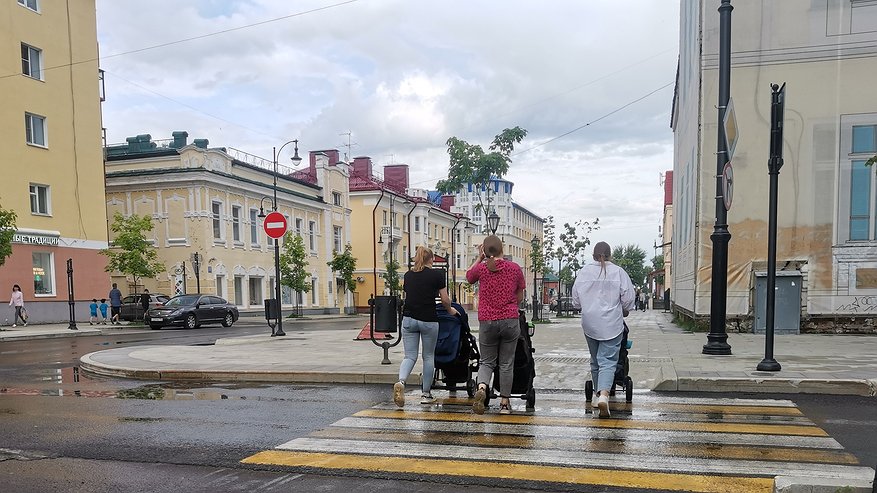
(413, 331)
(604, 360)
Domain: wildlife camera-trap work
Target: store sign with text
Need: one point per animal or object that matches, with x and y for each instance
(35, 239)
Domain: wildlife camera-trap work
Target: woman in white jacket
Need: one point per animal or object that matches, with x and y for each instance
(605, 295)
(17, 301)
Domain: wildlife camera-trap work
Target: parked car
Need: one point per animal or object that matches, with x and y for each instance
(564, 303)
(191, 311)
(132, 308)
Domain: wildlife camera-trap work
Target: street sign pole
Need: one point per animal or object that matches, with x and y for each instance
(275, 227)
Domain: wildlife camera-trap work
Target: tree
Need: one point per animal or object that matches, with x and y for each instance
(548, 245)
(345, 265)
(470, 164)
(571, 245)
(7, 231)
(631, 258)
(293, 265)
(391, 277)
(658, 262)
(131, 253)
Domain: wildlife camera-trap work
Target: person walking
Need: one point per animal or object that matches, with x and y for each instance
(643, 300)
(115, 304)
(144, 302)
(17, 300)
(420, 326)
(92, 315)
(103, 310)
(605, 295)
(500, 290)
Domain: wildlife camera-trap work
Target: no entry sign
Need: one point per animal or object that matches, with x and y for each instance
(275, 225)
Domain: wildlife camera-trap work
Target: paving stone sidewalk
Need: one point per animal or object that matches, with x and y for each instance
(663, 357)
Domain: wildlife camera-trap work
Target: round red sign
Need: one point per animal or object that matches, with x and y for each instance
(275, 225)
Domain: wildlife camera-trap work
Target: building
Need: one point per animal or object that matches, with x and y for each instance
(208, 201)
(390, 220)
(50, 131)
(518, 226)
(666, 236)
(826, 53)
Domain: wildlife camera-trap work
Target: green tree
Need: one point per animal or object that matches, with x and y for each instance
(7, 231)
(632, 259)
(548, 244)
(293, 266)
(572, 243)
(345, 265)
(658, 262)
(131, 253)
(470, 164)
(391, 277)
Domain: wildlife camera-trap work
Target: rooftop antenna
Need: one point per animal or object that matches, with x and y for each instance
(392, 158)
(349, 145)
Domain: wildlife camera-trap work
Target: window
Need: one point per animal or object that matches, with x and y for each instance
(336, 198)
(858, 144)
(31, 61)
(312, 238)
(385, 218)
(216, 212)
(43, 273)
(220, 286)
(254, 227)
(313, 291)
(337, 235)
(298, 225)
(31, 4)
(35, 129)
(417, 224)
(39, 200)
(459, 261)
(236, 222)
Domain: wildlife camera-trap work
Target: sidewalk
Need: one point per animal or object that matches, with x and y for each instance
(663, 357)
(49, 331)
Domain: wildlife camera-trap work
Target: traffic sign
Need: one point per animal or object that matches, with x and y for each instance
(727, 185)
(275, 225)
(729, 124)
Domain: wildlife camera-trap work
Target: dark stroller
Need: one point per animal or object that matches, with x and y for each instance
(525, 367)
(456, 352)
(622, 372)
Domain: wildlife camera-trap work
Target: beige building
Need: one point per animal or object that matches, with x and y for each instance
(390, 220)
(826, 53)
(50, 131)
(208, 200)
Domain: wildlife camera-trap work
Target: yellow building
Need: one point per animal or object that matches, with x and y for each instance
(390, 220)
(50, 131)
(208, 201)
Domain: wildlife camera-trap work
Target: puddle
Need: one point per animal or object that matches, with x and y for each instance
(151, 392)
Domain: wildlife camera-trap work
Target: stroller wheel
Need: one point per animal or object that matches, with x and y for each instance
(589, 391)
(470, 388)
(628, 389)
(531, 399)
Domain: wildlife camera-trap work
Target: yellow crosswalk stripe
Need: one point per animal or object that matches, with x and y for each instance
(774, 429)
(524, 472)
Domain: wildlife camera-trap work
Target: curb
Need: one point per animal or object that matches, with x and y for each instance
(793, 484)
(862, 387)
(53, 335)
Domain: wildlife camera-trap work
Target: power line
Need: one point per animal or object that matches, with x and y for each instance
(193, 38)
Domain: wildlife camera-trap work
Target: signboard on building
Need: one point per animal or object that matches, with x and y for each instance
(35, 239)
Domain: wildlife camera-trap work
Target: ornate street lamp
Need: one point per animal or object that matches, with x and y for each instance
(493, 222)
(534, 243)
(296, 160)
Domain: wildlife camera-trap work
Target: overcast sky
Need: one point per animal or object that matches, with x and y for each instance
(403, 76)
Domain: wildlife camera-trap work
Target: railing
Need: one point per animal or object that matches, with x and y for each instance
(258, 161)
(397, 232)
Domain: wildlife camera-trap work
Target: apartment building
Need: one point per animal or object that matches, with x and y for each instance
(50, 131)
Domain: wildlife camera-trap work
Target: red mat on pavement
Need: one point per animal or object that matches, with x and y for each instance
(365, 334)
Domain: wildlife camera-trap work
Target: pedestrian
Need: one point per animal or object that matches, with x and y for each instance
(115, 304)
(643, 300)
(144, 302)
(605, 294)
(422, 285)
(103, 311)
(92, 309)
(636, 299)
(17, 300)
(500, 290)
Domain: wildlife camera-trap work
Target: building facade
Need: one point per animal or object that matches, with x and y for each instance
(50, 130)
(826, 53)
(209, 201)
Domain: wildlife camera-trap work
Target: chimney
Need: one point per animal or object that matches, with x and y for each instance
(181, 138)
(332, 154)
(362, 167)
(396, 174)
(447, 202)
(201, 143)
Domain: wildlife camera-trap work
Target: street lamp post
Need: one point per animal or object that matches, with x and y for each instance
(535, 245)
(296, 160)
(493, 222)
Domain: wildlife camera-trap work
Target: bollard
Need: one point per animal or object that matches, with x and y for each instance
(385, 315)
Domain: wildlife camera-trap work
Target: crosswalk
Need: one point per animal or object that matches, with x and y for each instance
(668, 443)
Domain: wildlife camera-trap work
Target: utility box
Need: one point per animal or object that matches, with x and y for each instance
(787, 308)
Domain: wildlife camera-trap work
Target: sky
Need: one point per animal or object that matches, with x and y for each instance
(591, 81)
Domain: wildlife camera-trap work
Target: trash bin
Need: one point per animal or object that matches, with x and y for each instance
(386, 313)
(272, 309)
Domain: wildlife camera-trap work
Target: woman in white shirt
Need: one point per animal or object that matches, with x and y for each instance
(605, 295)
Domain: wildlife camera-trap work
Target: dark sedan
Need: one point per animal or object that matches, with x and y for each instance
(191, 311)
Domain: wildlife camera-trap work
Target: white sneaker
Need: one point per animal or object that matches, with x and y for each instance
(427, 398)
(14, 325)
(603, 405)
(399, 394)
(594, 400)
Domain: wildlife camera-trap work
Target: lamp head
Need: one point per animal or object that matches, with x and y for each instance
(296, 159)
(493, 222)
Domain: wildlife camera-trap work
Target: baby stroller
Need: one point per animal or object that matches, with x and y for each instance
(525, 367)
(622, 370)
(456, 352)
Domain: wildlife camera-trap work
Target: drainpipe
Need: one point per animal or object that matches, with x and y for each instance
(410, 232)
(453, 259)
(374, 242)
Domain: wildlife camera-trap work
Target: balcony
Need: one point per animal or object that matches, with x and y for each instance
(386, 231)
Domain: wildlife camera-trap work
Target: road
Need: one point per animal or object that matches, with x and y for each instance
(64, 431)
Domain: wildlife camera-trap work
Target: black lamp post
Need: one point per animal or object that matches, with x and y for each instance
(535, 245)
(296, 160)
(493, 222)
